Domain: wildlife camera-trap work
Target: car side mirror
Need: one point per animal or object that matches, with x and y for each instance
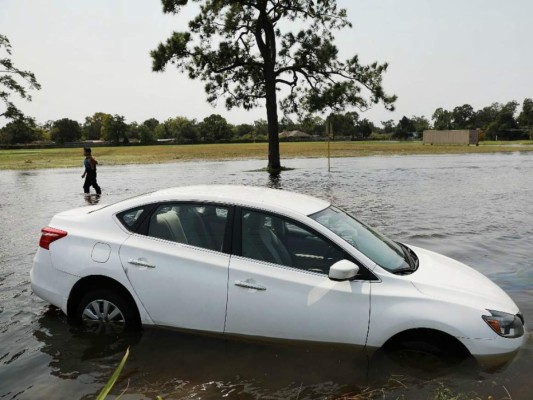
(343, 270)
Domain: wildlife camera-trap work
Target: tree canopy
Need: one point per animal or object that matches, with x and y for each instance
(20, 130)
(525, 119)
(246, 51)
(94, 125)
(13, 80)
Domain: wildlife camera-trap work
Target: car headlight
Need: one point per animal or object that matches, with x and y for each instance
(504, 324)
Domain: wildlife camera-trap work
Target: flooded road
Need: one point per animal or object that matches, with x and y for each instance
(474, 208)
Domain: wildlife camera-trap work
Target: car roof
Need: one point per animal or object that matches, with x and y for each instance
(251, 196)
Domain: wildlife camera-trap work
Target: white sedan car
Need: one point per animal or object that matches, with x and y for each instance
(264, 263)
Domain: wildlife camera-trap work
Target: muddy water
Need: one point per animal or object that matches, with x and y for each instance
(475, 208)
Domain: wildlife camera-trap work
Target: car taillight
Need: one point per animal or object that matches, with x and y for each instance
(49, 235)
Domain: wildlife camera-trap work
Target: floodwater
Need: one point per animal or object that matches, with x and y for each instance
(475, 208)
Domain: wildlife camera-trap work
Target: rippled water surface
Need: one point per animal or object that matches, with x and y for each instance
(475, 208)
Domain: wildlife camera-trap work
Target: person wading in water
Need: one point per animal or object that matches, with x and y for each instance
(90, 172)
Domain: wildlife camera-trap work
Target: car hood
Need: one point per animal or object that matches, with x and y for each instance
(442, 277)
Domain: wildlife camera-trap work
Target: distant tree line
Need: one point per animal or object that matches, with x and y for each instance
(497, 121)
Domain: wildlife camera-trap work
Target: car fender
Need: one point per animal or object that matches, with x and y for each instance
(409, 309)
(100, 270)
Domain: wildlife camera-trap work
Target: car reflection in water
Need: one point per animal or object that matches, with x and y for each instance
(216, 367)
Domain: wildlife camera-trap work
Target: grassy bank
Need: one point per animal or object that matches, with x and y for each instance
(72, 157)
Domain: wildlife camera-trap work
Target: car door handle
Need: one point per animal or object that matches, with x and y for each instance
(250, 285)
(141, 263)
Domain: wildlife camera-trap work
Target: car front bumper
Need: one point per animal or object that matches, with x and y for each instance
(494, 352)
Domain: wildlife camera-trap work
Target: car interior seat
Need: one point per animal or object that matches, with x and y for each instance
(167, 225)
(261, 243)
(192, 223)
(215, 225)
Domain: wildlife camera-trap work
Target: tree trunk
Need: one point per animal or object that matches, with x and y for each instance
(267, 47)
(274, 163)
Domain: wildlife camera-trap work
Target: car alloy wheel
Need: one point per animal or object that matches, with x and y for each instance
(102, 311)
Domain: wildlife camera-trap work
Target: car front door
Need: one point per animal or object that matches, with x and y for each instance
(279, 288)
(177, 267)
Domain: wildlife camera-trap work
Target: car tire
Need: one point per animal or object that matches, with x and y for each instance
(104, 311)
(434, 353)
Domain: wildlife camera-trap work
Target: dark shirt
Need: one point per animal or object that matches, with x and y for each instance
(90, 165)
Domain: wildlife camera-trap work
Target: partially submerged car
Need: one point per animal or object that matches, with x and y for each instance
(264, 263)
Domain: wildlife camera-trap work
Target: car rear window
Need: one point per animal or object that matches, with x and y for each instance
(131, 219)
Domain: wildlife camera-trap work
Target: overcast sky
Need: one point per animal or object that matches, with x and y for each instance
(93, 55)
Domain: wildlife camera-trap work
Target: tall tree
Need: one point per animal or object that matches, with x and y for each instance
(182, 130)
(65, 130)
(463, 117)
(13, 80)
(243, 129)
(215, 129)
(246, 50)
(404, 128)
(287, 124)
(503, 123)
(92, 127)
(150, 123)
(525, 119)
(388, 126)
(487, 115)
(19, 131)
(343, 124)
(133, 131)
(506, 117)
(363, 129)
(147, 131)
(116, 128)
(312, 124)
(260, 129)
(420, 123)
(442, 119)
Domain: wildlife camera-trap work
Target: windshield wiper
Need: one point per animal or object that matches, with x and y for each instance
(414, 257)
(403, 271)
(411, 259)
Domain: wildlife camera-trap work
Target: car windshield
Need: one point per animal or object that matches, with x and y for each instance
(388, 254)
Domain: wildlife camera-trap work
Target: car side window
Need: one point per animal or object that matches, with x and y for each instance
(277, 240)
(194, 224)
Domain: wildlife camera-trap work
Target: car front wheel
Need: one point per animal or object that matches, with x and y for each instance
(103, 311)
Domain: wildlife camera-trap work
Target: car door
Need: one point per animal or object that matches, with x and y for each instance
(279, 288)
(177, 267)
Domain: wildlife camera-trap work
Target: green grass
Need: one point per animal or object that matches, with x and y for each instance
(25, 159)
